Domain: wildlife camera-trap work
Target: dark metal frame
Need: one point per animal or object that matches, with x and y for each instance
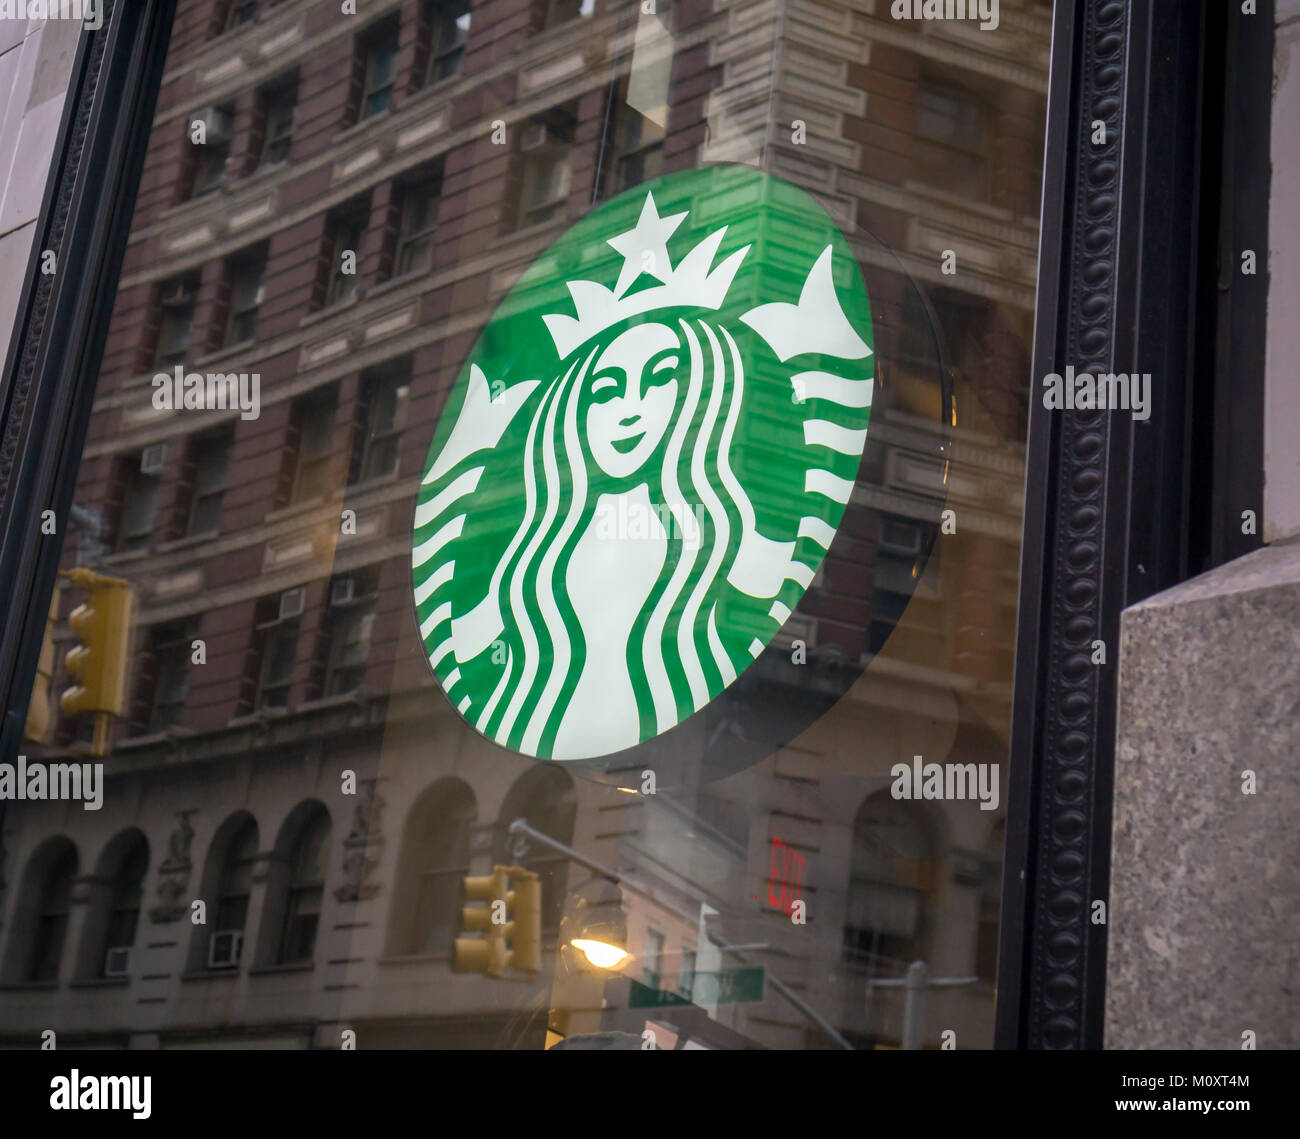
(1133, 258)
(1115, 510)
(48, 384)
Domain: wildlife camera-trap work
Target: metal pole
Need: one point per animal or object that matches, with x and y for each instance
(913, 993)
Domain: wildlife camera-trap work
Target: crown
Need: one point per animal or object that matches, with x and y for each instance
(694, 282)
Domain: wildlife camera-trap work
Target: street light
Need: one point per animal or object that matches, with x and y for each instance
(597, 926)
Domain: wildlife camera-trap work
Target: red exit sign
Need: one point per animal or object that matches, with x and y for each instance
(785, 879)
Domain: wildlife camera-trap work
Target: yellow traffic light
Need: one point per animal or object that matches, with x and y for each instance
(511, 922)
(98, 662)
(526, 908)
(37, 726)
(484, 954)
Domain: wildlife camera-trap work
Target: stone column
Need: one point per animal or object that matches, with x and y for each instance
(1204, 942)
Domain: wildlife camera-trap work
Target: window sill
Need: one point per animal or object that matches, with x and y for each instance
(153, 739)
(210, 974)
(329, 311)
(375, 482)
(261, 716)
(28, 986)
(362, 125)
(122, 557)
(264, 173)
(100, 983)
(225, 351)
(304, 509)
(187, 542)
(524, 233)
(295, 967)
(324, 703)
(432, 89)
(393, 284)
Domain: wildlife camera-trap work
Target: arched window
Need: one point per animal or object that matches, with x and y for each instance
(435, 857)
(227, 885)
(125, 891)
(892, 878)
(54, 902)
(233, 891)
(544, 799)
(304, 889)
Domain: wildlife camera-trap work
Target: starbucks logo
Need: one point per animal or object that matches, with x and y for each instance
(643, 463)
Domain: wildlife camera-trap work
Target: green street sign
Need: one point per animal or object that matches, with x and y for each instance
(643, 463)
(728, 987)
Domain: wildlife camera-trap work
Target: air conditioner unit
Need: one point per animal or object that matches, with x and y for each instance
(223, 949)
(153, 458)
(117, 962)
(219, 124)
(292, 603)
(900, 537)
(535, 137)
(178, 294)
(343, 590)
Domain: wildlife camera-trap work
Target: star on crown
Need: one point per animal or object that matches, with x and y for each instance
(693, 282)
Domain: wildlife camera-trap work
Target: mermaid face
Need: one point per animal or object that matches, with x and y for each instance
(633, 389)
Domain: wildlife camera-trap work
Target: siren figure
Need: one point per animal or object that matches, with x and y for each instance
(603, 635)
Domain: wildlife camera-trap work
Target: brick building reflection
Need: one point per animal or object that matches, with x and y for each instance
(327, 910)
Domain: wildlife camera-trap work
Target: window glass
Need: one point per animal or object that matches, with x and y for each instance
(646, 524)
(380, 71)
(278, 109)
(449, 27)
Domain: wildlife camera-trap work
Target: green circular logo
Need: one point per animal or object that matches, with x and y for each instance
(643, 463)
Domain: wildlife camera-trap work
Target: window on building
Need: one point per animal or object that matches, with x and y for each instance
(53, 907)
(279, 653)
(211, 475)
(177, 299)
(278, 104)
(544, 799)
(313, 417)
(652, 959)
(170, 648)
(213, 152)
(434, 861)
(343, 233)
(380, 69)
(241, 12)
(135, 526)
(686, 981)
(634, 148)
(124, 909)
(952, 141)
(891, 881)
(247, 292)
(387, 397)
(234, 885)
(448, 31)
(305, 891)
(419, 222)
(546, 145)
(351, 625)
(563, 11)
